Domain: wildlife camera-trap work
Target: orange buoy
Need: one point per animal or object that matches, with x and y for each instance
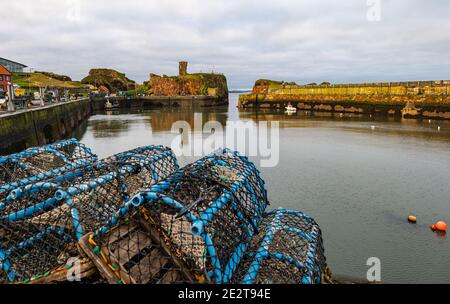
(412, 219)
(433, 227)
(441, 226)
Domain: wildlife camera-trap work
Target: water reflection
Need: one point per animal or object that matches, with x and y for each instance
(111, 123)
(164, 120)
(115, 122)
(423, 130)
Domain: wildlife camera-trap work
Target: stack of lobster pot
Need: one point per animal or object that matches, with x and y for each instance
(41, 222)
(136, 217)
(206, 224)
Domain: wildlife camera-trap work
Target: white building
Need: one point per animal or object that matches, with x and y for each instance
(12, 66)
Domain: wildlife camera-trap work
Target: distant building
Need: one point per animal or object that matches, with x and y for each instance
(12, 66)
(5, 78)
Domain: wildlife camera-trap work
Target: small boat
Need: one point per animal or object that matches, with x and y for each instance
(291, 109)
(110, 106)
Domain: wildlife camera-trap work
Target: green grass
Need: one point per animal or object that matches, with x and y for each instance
(26, 80)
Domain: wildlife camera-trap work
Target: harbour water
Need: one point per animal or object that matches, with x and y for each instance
(358, 176)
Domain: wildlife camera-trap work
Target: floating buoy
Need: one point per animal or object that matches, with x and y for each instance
(433, 227)
(412, 219)
(439, 128)
(372, 127)
(441, 226)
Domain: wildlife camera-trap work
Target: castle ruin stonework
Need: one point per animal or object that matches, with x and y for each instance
(183, 68)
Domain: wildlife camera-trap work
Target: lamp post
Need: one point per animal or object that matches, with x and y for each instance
(29, 86)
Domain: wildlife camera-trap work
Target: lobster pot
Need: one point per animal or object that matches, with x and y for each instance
(82, 200)
(132, 251)
(287, 249)
(94, 202)
(42, 159)
(38, 164)
(157, 162)
(134, 173)
(82, 210)
(30, 251)
(35, 198)
(28, 201)
(136, 169)
(192, 227)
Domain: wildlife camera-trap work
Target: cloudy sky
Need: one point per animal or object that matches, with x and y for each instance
(291, 40)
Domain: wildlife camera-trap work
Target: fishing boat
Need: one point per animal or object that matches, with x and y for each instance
(291, 109)
(110, 106)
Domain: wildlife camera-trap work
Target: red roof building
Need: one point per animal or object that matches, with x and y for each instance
(5, 78)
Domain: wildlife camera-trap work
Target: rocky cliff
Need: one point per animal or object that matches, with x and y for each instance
(109, 80)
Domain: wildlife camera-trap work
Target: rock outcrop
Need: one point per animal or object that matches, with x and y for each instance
(198, 84)
(262, 86)
(109, 80)
(266, 86)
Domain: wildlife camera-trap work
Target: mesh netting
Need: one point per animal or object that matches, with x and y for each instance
(192, 227)
(41, 222)
(37, 164)
(287, 249)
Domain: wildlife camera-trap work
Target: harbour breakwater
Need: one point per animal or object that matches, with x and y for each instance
(427, 99)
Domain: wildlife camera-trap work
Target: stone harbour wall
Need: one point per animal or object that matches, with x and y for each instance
(40, 126)
(429, 99)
